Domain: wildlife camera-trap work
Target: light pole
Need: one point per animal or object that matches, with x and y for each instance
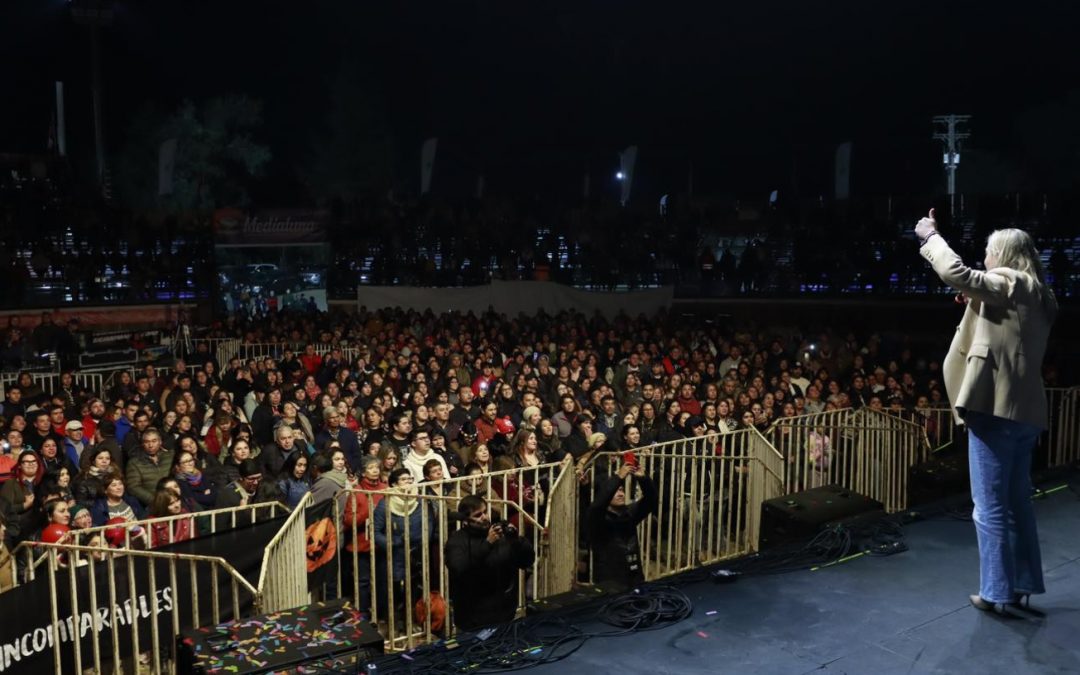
(95, 14)
(948, 132)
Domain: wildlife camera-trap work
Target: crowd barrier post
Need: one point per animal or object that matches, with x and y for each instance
(395, 598)
(283, 582)
(118, 608)
(1061, 442)
(709, 495)
(866, 451)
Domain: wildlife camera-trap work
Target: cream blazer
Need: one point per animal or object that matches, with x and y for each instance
(994, 364)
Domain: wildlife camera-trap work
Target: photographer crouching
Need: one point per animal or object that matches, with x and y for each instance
(483, 559)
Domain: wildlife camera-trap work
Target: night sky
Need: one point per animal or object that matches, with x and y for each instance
(756, 95)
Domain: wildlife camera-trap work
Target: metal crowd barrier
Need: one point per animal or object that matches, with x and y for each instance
(1058, 447)
(863, 450)
(227, 350)
(229, 593)
(936, 423)
(50, 382)
(200, 523)
(709, 495)
(1062, 440)
(547, 521)
(283, 581)
(47, 381)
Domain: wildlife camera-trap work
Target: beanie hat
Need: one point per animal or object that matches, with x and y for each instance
(76, 510)
(528, 413)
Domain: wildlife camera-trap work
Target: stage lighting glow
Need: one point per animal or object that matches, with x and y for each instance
(619, 175)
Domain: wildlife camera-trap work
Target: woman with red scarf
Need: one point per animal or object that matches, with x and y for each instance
(358, 508)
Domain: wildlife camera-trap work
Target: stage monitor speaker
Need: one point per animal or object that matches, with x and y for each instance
(939, 478)
(800, 516)
(331, 636)
(575, 598)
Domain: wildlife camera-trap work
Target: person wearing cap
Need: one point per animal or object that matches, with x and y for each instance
(74, 445)
(246, 490)
(530, 418)
(80, 517)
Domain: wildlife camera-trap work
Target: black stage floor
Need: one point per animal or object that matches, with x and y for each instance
(906, 613)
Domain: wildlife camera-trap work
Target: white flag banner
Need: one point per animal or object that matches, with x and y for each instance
(843, 171)
(627, 159)
(427, 164)
(166, 167)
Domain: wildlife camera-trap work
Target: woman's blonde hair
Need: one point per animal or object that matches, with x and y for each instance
(1016, 250)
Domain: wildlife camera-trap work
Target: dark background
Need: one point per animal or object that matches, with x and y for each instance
(755, 95)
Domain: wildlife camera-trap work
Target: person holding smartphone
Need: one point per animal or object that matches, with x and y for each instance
(612, 522)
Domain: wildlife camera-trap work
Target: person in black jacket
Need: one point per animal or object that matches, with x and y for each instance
(484, 559)
(612, 527)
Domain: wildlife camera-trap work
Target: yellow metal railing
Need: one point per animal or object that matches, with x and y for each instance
(710, 493)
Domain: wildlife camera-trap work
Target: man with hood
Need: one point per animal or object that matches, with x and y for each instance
(612, 523)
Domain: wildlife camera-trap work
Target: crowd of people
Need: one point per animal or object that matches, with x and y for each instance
(440, 396)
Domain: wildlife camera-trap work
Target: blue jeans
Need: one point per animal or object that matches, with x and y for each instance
(999, 454)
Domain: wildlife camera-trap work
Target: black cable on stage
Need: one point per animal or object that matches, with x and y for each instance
(541, 639)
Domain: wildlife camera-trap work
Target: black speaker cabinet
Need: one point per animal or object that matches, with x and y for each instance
(939, 478)
(328, 635)
(800, 516)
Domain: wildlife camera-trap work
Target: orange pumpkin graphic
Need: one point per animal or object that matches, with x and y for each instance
(321, 543)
